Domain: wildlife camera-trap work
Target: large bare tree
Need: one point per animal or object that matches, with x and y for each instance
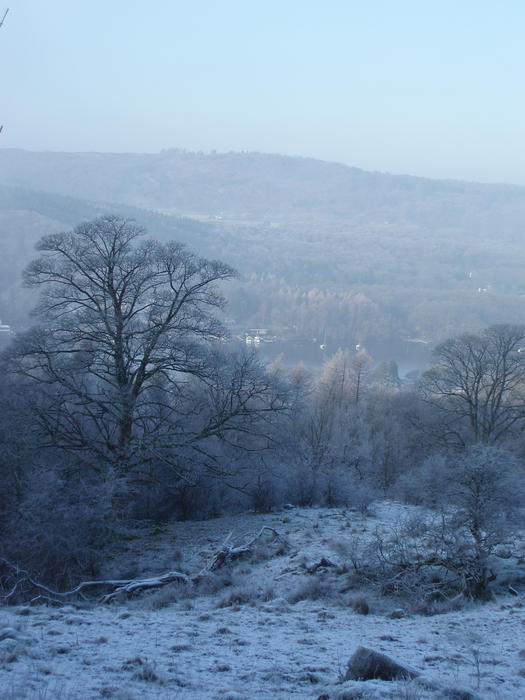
(127, 356)
(478, 385)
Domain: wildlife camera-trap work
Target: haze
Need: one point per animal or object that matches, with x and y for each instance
(429, 89)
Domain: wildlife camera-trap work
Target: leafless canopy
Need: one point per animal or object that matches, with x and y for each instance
(125, 326)
(478, 383)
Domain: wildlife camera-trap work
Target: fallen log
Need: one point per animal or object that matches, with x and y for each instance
(135, 585)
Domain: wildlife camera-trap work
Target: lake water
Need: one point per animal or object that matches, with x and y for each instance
(408, 355)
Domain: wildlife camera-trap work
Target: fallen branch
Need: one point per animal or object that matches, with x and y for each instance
(21, 579)
(227, 554)
(133, 586)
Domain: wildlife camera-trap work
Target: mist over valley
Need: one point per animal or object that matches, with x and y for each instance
(327, 254)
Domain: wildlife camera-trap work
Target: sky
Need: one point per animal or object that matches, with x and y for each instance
(426, 87)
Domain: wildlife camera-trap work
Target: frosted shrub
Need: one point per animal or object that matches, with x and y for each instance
(426, 485)
(487, 486)
(449, 552)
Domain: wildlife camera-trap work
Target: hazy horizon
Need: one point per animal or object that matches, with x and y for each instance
(214, 151)
(427, 91)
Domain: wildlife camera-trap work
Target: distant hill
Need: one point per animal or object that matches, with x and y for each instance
(27, 215)
(324, 250)
(259, 187)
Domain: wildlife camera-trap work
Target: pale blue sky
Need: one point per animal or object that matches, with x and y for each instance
(433, 88)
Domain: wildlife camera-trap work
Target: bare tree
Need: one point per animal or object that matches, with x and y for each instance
(360, 370)
(126, 356)
(478, 385)
(345, 379)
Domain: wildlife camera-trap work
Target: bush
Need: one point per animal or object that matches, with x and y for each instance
(478, 493)
(487, 487)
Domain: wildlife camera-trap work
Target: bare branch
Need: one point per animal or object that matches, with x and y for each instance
(227, 554)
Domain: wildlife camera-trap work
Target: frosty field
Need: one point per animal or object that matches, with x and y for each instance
(280, 623)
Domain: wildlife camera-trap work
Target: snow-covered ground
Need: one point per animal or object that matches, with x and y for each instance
(266, 628)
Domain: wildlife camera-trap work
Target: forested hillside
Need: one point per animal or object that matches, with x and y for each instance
(27, 215)
(273, 187)
(325, 251)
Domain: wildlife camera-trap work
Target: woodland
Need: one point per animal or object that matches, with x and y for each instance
(127, 400)
(155, 465)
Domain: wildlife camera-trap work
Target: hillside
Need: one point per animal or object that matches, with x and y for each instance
(278, 624)
(260, 186)
(27, 215)
(325, 251)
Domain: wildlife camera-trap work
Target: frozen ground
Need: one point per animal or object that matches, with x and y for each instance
(267, 628)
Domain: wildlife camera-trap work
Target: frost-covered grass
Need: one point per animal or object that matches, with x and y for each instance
(266, 628)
